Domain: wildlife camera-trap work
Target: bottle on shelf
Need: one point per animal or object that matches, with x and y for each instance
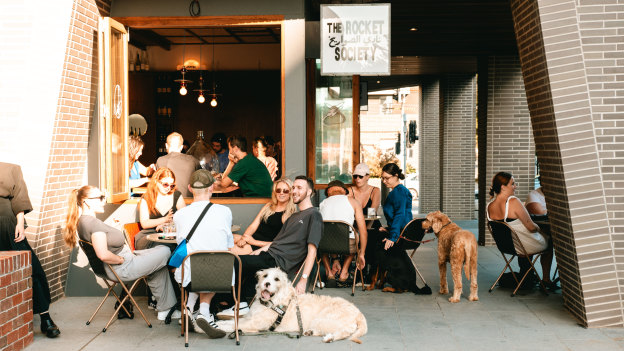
(137, 63)
(146, 59)
(143, 62)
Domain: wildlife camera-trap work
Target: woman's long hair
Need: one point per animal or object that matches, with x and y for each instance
(500, 179)
(151, 194)
(76, 200)
(290, 205)
(134, 146)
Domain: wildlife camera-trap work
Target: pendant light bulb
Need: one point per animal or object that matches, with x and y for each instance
(213, 102)
(201, 98)
(183, 90)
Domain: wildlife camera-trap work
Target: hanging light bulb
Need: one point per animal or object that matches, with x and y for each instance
(213, 102)
(201, 99)
(183, 90)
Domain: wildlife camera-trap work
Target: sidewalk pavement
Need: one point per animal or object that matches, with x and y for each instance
(528, 321)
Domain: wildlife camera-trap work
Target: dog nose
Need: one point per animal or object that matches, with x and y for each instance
(267, 284)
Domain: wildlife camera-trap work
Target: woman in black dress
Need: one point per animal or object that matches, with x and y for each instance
(14, 204)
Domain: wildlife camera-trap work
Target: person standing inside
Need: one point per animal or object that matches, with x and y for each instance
(214, 232)
(181, 164)
(14, 204)
(248, 172)
(138, 172)
(219, 145)
(260, 148)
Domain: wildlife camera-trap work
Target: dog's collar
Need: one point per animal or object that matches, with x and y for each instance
(438, 232)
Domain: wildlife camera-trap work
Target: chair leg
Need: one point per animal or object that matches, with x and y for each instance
(184, 298)
(507, 265)
(526, 275)
(316, 276)
(354, 280)
(135, 303)
(110, 288)
(362, 280)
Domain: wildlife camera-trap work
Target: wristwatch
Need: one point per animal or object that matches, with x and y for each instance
(304, 276)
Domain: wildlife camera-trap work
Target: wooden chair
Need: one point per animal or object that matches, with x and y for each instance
(212, 272)
(97, 266)
(130, 231)
(335, 240)
(508, 243)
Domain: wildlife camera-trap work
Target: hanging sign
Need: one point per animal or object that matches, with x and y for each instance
(355, 39)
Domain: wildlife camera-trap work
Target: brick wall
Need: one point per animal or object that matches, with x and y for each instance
(571, 56)
(429, 139)
(458, 154)
(16, 306)
(510, 145)
(68, 150)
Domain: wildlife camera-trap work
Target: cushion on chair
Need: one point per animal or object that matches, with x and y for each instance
(130, 231)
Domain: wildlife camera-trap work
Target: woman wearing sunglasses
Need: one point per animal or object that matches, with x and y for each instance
(367, 195)
(157, 206)
(269, 221)
(110, 247)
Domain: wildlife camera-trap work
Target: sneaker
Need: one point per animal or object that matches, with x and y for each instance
(229, 313)
(163, 314)
(151, 303)
(207, 324)
(192, 318)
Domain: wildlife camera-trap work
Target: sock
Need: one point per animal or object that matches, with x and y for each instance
(192, 299)
(204, 308)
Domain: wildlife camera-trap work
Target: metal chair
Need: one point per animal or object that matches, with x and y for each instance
(410, 239)
(97, 266)
(212, 272)
(508, 243)
(335, 240)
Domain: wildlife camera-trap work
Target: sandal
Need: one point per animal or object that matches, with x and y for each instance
(344, 283)
(330, 283)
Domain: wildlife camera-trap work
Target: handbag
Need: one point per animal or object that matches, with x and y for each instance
(180, 251)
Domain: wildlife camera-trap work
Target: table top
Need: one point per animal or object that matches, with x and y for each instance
(159, 237)
(371, 218)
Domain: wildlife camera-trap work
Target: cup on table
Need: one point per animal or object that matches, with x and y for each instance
(169, 228)
(372, 212)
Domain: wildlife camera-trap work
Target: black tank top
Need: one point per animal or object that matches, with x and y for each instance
(174, 208)
(268, 230)
(370, 200)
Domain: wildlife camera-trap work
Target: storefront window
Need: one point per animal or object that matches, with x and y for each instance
(333, 128)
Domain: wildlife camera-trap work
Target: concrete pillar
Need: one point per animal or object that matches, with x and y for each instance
(571, 56)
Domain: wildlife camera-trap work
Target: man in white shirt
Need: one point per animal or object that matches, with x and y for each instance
(214, 232)
(536, 202)
(338, 206)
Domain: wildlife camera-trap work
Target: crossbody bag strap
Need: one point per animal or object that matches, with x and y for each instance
(201, 216)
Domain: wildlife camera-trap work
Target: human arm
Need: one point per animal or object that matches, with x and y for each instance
(251, 229)
(19, 228)
(535, 208)
(98, 239)
(375, 198)
(147, 222)
(363, 234)
(300, 288)
(396, 203)
(517, 210)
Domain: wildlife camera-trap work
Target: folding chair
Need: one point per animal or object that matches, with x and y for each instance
(130, 231)
(335, 240)
(98, 268)
(410, 239)
(509, 243)
(212, 272)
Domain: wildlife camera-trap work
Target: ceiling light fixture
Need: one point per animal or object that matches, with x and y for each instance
(213, 101)
(183, 82)
(413, 29)
(201, 99)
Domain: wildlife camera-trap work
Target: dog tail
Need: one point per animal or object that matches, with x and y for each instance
(360, 330)
(468, 247)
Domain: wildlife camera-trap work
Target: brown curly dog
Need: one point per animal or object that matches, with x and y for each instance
(458, 247)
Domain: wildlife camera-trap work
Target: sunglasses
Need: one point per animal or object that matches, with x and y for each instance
(279, 191)
(167, 185)
(357, 176)
(101, 197)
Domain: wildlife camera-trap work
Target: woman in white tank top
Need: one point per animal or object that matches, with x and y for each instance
(508, 208)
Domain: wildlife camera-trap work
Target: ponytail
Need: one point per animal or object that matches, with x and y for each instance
(76, 199)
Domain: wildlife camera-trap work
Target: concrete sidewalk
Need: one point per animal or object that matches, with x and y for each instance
(530, 321)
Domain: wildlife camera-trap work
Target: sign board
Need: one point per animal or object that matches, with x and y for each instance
(355, 39)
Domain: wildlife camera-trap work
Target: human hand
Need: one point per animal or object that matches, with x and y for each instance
(336, 268)
(361, 262)
(169, 216)
(232, 158)
(383, 229)
(256, 252)
(389, 244)
(159, 228)
(301, 286)
(241, 242)
(20, 233)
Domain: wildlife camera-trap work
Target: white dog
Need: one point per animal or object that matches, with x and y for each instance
(334, 318)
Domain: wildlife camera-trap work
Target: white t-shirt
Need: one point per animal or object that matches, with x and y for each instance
(213, 233)
(537, 196)
(338, 208)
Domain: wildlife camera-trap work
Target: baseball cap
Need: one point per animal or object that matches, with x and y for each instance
(361, 169)
(337, 183)
(201, 179)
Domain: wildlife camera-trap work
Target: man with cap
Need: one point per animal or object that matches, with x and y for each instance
(338, 206)
(214, 232)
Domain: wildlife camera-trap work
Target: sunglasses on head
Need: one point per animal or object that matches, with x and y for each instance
(101, 197)
(279, 191)
(357, 176)
(167, 185)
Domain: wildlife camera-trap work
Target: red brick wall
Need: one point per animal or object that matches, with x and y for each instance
(68, 150)
(16, 307)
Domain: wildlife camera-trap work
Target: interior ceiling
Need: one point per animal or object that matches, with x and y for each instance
(166, 37)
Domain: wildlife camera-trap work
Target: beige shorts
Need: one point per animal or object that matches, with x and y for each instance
(352, 248)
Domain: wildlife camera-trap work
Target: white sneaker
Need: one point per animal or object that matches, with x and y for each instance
(208, 326)
(163, 314)
(229, 313)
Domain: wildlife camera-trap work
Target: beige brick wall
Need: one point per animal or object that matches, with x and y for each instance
(570, 54)
(510, 145)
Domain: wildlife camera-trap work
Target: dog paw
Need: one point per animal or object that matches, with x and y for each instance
(453, 299)
(443, 291)
(328, 338)
(308, 332)
(473, 298)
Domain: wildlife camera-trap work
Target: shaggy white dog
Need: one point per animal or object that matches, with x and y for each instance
(333, 318)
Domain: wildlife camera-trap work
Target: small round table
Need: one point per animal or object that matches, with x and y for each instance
(160, 237)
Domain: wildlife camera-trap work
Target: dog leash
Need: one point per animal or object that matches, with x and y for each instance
(281, 311)
(417, 241)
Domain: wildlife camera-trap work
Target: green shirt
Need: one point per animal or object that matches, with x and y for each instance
(252, 177)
